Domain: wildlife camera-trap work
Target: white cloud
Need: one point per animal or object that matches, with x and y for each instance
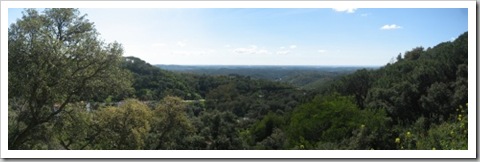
(181, 43)
(390, 27)
(322, 51)
(364, 14)
(251, 50)
(227, 46)
(347, 10)
(159, 45)
(283, 52)
(263, 51)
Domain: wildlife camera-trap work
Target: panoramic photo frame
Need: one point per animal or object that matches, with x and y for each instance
(347, 7)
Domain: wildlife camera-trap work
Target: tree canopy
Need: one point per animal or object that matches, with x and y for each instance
(56, 58)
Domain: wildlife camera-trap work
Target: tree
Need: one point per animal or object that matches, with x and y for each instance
(437, 101)
(125, 127)
(399, 57)
(265, 127)
(325, 119)
(358, 85)
(75, 130)
(56, 58)
(414, 54)
(221, 130)
(170, 122)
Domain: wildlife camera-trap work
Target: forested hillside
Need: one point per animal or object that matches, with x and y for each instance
(305, 77)
(418, 102)
(70, 90)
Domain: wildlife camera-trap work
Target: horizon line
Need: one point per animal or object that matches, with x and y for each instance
(269, 65)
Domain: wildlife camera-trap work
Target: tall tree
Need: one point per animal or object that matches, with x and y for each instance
(56, 58)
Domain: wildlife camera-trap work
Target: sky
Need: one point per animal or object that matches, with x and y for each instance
(273, 36)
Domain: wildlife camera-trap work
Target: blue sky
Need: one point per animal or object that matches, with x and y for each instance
(350, 36)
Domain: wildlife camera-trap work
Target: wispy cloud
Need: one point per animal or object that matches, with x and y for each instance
(347, 10)
(365, 14)
(286, 50)
(322, 51)
(390, 27)
(251, 50)
(283, 52)
(159, 45)
(181, 43)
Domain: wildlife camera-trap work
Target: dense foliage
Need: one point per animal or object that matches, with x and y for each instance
(305, 77)
(69, 90)
(56, 59)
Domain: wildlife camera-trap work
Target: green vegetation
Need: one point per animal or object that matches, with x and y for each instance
(305, 77)
(70, 90)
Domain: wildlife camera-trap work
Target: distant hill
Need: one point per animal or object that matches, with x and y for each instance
(307, 77)
(152, 83)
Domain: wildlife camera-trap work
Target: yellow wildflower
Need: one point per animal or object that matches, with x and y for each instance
(397, 140)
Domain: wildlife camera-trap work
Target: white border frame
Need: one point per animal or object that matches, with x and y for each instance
(470, 153)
